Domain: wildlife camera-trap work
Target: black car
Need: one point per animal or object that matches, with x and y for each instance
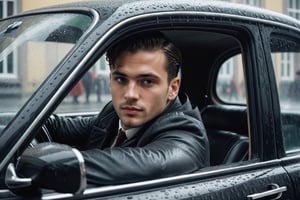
(239, 67)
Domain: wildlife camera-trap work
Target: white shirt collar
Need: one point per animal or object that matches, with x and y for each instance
(130, 133)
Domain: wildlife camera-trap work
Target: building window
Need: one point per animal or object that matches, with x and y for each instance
(8, 63)
(288, 59)
(294, 9)
(256, 3)
(287, 66)
(226, 71)
(7, 8)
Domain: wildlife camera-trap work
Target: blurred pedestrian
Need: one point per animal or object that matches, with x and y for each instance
(76, 92)
(234, 89)
(87, 81)
(294, 89)
(98, 87)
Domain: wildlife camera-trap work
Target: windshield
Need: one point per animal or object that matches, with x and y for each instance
(30, 48)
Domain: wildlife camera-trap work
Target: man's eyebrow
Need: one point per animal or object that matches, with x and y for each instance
(116, 73)
(145, 75)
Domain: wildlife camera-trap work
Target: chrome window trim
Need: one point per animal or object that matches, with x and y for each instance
(125, 188)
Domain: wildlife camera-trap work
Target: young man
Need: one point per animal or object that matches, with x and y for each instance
(164, 133)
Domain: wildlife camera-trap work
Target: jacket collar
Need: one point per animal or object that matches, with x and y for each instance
(130, 133)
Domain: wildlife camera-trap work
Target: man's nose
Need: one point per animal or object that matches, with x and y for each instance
(131, 91)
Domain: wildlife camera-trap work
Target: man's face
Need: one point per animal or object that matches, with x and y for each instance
(140, 88)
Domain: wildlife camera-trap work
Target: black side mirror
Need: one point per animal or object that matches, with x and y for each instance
(50, 166)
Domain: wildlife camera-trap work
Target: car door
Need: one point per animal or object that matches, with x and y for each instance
(284, 57)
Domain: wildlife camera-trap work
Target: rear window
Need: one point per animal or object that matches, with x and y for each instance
(230, 82)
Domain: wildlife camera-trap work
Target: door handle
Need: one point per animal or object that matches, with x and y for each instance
(275, 191)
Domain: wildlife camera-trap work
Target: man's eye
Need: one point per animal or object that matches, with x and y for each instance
(120, 80)
(147, 82)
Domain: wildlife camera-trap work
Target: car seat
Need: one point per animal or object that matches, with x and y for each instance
(227, 132)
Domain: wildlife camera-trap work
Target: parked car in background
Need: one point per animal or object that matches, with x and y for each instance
(234, 68)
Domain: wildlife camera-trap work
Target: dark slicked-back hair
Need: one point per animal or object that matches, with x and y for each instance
(148, 41)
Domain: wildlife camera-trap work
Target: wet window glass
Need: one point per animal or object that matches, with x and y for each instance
(91, 92)
(30, 48)
(286, 59)
(230, 87)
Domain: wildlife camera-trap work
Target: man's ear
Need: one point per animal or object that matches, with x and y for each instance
(174, 88)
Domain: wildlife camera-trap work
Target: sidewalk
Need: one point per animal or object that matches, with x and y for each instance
(93, 106)
(13, 104)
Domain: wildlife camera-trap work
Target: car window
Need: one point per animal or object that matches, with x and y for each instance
(286, 58)
(91, 92)
(230, 83)
(30, 49)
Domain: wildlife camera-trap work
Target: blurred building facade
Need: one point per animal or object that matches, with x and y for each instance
(10, 7)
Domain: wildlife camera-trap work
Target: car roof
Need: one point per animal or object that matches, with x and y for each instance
(128, 8)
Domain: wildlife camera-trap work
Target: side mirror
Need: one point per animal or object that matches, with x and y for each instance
(50, 166)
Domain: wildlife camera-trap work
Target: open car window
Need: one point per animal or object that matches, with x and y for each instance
(90, 93)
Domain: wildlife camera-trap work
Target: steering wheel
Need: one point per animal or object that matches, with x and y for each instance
(42, 136)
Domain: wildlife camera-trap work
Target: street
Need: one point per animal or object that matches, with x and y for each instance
(13, 104)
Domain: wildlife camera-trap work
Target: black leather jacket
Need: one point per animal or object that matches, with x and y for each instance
(173, 143)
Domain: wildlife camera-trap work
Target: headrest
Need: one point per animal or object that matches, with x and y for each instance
(227, 118)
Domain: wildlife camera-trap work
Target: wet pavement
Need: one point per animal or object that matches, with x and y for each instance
(13, 104)
(68, 105)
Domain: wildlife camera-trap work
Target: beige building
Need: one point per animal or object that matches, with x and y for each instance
(9, 7)
(33, 4)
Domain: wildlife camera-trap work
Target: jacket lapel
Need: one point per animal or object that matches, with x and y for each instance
(105, 128)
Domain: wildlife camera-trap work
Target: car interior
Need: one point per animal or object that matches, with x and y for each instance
(225, 122)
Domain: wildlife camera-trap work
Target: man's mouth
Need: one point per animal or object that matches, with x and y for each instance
(131, 110)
